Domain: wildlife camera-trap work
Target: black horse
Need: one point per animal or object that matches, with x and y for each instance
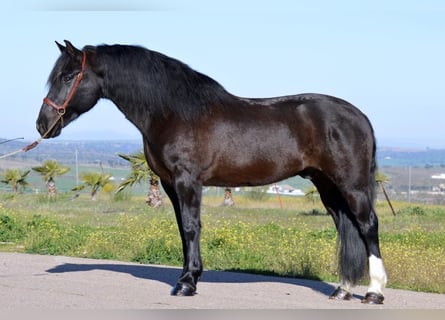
(197, 134)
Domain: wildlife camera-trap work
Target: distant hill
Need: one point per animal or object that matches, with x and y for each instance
(64, 151)
(398, 157)
(92, 151)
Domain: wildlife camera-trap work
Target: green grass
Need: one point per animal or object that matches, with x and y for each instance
(298, 240)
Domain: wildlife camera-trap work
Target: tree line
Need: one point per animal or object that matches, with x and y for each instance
(94, 181)
(140, 173)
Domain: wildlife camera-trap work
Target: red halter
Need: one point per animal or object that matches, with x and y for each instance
(61, 109)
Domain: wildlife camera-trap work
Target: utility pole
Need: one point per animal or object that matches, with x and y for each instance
(77, 169)
(409, 184)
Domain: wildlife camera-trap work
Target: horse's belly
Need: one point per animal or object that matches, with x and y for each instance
(251, 153)
(250, 170)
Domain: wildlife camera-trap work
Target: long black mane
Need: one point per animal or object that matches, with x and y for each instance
(157, 82)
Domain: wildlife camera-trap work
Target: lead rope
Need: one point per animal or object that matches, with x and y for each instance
(35, 143)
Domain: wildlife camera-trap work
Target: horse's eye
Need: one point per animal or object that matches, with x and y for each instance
(67, 78)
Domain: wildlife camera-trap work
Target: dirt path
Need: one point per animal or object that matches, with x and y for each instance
(55, 282)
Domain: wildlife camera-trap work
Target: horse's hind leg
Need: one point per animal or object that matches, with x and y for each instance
(352, 250)
(357, 227)
(362, 208)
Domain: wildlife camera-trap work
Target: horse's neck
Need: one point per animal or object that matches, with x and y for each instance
(117, 89)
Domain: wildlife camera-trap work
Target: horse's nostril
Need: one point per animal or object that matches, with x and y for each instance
(41, 128)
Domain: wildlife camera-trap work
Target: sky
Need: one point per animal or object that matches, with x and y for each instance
(385, 57)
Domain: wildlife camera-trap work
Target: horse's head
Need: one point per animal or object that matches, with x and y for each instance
(74, 88)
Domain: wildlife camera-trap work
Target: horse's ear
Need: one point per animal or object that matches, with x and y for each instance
(61, 47)
(72, 51)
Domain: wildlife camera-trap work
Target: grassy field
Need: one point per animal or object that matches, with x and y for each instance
(298, 240)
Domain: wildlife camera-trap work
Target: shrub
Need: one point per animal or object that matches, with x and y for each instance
(10, 229)
(256, 195)
(413, 210)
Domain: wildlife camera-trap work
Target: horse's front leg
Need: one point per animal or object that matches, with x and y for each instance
(185, 194)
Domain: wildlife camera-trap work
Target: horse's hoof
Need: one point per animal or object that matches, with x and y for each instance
(373, 298)
(182, 289)
(340, 294)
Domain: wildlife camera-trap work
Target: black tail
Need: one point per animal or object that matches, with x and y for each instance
(353, 255)
(352, 251)
(372, 185)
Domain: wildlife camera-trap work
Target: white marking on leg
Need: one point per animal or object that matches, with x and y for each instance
(377, 274)
(345, 285)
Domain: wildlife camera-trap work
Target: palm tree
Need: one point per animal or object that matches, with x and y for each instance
(140, 172)
(95, 181)
(16, 179)
(312, 194)
(381, 179)
(49, 170)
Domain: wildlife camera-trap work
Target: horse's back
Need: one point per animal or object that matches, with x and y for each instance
(318, 123)
(260, 141)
